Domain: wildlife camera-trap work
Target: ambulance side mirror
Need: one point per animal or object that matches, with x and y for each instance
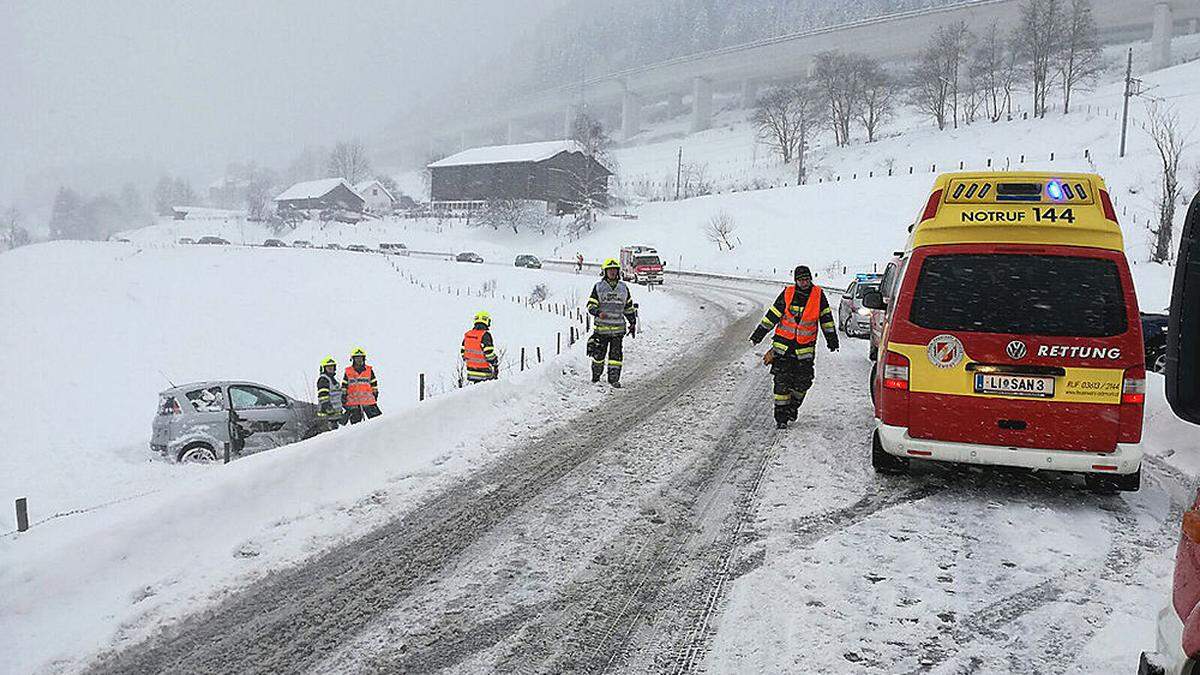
(873, 300)
(1183, 332)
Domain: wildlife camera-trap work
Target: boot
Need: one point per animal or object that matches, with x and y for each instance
(781, 424)
(597, 371)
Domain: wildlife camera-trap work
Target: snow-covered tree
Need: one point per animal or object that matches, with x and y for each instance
(936, 81)
(839, 80)
(785, 117)
(67, 216)
(878, 88)
(1080, 59)
(1039, 35)
(994, 71)
(1170, 138)
(719, 230)
(348, 159)
(12, 233)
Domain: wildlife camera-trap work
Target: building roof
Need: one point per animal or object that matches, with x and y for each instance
(361, 188)
(508, 154)
(313, 189)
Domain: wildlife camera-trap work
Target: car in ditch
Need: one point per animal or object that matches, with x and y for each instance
(194, 421)
(469, 256)
(528, 261)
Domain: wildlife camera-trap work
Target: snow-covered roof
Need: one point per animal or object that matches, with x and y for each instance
(503, 154)
(313, 189)
(361, 188)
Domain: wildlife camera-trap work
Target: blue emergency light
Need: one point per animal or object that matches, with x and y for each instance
(1055, 190)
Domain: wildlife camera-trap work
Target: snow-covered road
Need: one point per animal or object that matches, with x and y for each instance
(670, 528)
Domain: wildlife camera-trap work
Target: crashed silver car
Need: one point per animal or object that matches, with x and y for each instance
(194, 421)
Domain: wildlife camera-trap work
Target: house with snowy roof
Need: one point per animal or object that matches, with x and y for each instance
(319, 195)
(377, 197)
(556, 172)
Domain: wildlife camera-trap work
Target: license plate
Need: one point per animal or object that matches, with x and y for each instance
(1014, 385)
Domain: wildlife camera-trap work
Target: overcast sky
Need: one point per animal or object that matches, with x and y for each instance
(102, 86)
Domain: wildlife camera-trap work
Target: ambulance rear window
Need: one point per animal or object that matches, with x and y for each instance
(1022, 294)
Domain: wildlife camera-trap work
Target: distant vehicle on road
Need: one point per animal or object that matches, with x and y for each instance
(853, 319)
(358, 248)
(186, 240)
(121, 240)
(274, 243)
(528, 261)
(333, 246)
(301, 243)
(469, 256)
(213, 240)
(193, 421)
(641, 265)
(394, 249)
(1154, 338)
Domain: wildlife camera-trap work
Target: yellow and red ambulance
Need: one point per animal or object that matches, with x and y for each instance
(1012, 336)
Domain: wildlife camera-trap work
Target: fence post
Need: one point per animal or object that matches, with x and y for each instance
(587, 322)
(1052, 157)
(522, 359)
(539, 353)
(227, 452)
(22, 515)
(558, 343)
(421, 387)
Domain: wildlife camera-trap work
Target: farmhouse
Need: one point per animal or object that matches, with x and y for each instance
(327, 193)
(377, 197)
(555, 172)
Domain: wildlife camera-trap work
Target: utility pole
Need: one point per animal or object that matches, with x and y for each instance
(678, 172)
(1128, 93)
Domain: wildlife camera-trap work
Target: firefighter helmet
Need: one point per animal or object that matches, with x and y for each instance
(611, 264)
(358, 351)
(327, 362)
(483, 318)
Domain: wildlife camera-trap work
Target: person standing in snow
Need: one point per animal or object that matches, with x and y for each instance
(795, 315)
(578, 262)
(361, 388)
(479, 352)
(329, 395)
(612, 306)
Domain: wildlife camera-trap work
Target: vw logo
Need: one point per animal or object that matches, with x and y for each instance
(1016, 350)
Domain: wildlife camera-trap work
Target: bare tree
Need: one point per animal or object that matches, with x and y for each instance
(838, 79)
(777, 122)
(12, 233)
(1080, 59)
(994, 72)
(587, 186)
(719, 231)
(1039, 35)
(348, 159)
(878, 101)
(1170, 138)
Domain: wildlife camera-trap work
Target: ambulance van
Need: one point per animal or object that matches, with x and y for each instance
(1013, 335)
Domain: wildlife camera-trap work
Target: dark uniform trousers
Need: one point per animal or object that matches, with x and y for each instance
(606, 350)
(793, 378)
(356, 413)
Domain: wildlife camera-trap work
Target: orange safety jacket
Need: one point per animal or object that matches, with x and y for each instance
(475, 356)
(360, 386)
(802, 331)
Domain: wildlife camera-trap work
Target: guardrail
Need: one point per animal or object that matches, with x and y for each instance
(698, 275)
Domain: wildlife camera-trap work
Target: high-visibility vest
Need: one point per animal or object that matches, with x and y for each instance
(613, 299)
(476, 360)
(803, 330)
(329, 392)
(358, 386)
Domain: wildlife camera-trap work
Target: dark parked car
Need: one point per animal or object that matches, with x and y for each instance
(528, 261)
(186, 240)
(274, 243)
(213, 240)
(358, 248)
(469, 256)
(302, 243)
(1154, 337)
(333, 247)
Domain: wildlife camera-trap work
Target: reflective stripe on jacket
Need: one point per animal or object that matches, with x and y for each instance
(478, 354)
(798, 335)
(328, 391)
(360, 386)
(612, 305)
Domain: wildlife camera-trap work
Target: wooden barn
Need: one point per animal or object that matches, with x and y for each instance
(319, 195)
(555, 172)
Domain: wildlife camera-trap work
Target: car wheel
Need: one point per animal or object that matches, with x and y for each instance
(884, 463)
(873, 353)
(197, 453)
(1159, 363)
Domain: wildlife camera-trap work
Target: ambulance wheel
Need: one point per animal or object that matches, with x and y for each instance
(1131, 482)
(873, 353)
(882, 462)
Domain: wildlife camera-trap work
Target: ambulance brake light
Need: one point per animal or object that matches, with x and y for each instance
(895, 371)
(1106, 202)
(931, 207)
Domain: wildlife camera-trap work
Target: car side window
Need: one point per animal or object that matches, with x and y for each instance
(889, 278)
(850, 289)
(207, 400)
(245, 396)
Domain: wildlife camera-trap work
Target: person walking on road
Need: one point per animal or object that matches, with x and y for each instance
(612, 306)
(479, 352)
(329, 395)
(361, 388)
(578, 262)
(795, 315)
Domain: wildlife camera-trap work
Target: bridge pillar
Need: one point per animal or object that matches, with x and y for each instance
(1160, 37)
(631, 113)
(701, 104)
(674, 104)
(749, 93)
(511, 131)
(1195, 26)
(569, 116)
(462, 141)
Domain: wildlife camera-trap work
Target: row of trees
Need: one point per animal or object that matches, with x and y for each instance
(958, 77)
(74, 216)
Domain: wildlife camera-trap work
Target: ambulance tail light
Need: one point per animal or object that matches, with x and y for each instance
(1106, 202)
(895, 372)
(931, 207)
(1133, 401)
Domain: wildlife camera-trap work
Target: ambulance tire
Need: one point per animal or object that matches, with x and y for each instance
(873, 353)
(1127, 483)
(884, 463)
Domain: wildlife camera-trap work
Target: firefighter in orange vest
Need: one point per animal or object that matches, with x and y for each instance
(478, 351)
(795, 316)
(360, 388)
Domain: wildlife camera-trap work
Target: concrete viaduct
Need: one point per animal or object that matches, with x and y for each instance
(748, 66)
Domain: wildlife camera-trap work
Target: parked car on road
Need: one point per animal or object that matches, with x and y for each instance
(302, 243)
(333, 247)
(1154, 338)
(192, 423)
(528, 261)
(468, 256)
(358, 248)
(213, 240)
(274, 243)
(394, 249)
(853, 319)
(186, 240)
